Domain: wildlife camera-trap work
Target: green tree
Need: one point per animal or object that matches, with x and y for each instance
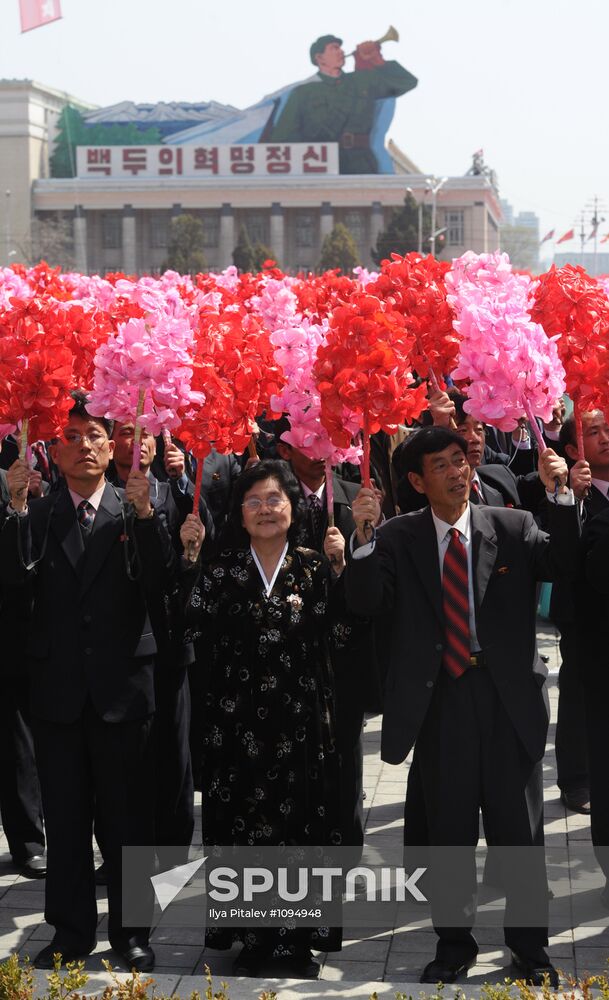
(402, 233)
(72, 131)
(262, 253)
(243, 255)
(185, 249)
(52, 239)
(339, 249)
(70, 134)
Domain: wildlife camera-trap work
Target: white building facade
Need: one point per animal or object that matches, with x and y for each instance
(121, 205)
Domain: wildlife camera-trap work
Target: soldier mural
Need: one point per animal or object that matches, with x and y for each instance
(352, 109)
(342, 107)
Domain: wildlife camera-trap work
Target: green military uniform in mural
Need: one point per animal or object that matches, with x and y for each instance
(341, 107)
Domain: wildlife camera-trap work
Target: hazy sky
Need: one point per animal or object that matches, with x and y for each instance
(526, 80)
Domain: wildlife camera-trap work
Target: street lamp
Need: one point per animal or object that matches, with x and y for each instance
(437, 233)
(434, 186)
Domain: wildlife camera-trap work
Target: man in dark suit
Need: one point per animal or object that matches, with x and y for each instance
(492, 482)
(176, 468)
(166, 494)
(91, 660)
(572, 733)
(20, 804)
(174, 789)
(355, 673)
(174, 465)
(462, 682)
(592, 618)
(493, 485)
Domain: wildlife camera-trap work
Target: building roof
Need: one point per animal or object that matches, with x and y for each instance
(57, 95)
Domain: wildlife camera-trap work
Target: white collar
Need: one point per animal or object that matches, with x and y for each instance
(307, 492)
(463, 525)
(268, 585)
(94, 499)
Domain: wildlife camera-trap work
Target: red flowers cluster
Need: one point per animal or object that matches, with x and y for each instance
(43, 280)
(36, 370)
(365, 367)
(414, 286)
(235, 369)
(82, 332)
(571, 303)
(321, 293)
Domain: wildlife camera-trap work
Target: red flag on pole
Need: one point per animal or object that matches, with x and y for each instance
(605, 238)
(566, 236)
(35, 13)
(547, 237)
(594, 232)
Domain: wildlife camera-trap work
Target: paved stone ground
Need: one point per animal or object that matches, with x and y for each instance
(388, 960)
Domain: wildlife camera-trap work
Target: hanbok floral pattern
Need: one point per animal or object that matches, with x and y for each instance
(270, 766)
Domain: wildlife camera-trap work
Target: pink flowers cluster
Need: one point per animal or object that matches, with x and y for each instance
(151, 354)
(151, 359)
(511, 365)
(13, 286)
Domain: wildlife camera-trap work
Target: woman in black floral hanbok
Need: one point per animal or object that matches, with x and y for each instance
(270, 768)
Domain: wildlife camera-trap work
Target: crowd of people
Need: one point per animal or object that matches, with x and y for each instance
(153, 649)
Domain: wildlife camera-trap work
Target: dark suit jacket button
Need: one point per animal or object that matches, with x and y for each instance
(439, 647)
(88, 651)
(87, 619)
(429, 684)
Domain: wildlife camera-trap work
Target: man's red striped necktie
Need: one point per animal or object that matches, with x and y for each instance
(455, 600)
(478, 494)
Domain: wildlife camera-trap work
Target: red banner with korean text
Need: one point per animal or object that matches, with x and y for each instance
(35, 13)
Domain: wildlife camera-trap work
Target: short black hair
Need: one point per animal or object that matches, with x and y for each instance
(269, 468)
(427, 441)
(280, 427)
(459, 399)
(319, 45)
(81, 401)
(567, 434)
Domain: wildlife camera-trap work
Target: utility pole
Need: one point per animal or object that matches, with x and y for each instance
(595, 221)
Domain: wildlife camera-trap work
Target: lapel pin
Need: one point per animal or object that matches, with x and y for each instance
(503, 569)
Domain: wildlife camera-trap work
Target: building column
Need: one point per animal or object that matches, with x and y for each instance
(226, 243)
(80, 239)
(377, 223)
(479, 242)
(326, 220)
(277, 233)
(129, 240)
